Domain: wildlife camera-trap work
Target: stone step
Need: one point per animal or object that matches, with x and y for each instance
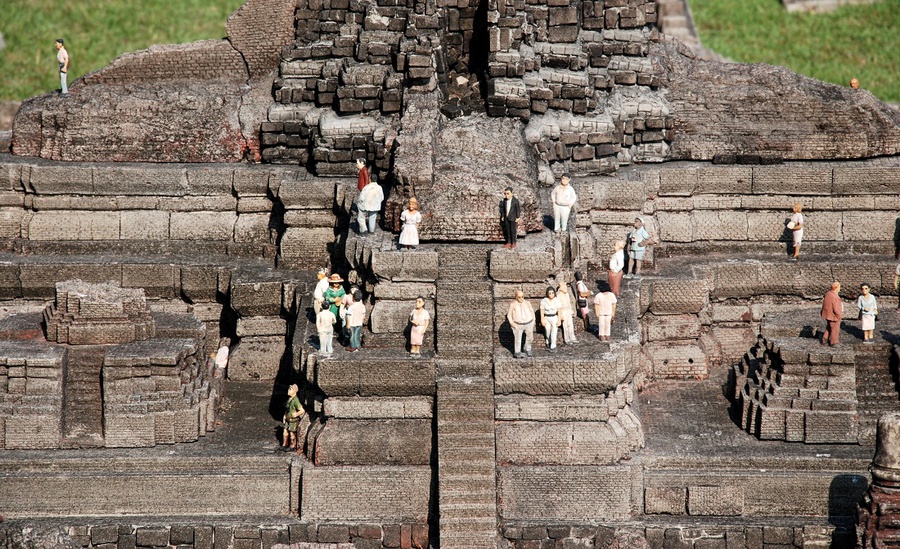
(477, 493)
(467, 510)
(466, 461)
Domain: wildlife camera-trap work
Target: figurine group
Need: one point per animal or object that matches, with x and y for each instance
(558, 310)
(563, 198)
(866, 305)
(368, 204)
(333, 306)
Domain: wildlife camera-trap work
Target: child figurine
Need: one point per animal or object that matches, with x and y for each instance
(325, 321)
(419, 319)
(293, 413)
(411, 217)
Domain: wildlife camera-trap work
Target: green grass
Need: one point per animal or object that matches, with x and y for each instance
(861, 41)
(95, 31)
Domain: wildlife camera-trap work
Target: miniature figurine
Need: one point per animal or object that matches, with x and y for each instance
(563, 198)
(293, 413)
(356, 316)
(521, 318)
(419, 319)
(796, 227)
(334, 294)
(325, 321)
(566, 313)
(868, 310)
(605, 309)
(639, 238)
(362, 174)
(583, 293)
(221, 360)
(616, 268)
(346, 301)
(854, 83)
(550, 306)
(509, 217)
(832, 312)
(411, 217)
(368, 204)
(319, 292)
(62, 57)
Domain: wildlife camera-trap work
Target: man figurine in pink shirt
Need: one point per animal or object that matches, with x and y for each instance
(521, 318)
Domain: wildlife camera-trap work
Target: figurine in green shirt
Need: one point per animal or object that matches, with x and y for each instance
(293, 413)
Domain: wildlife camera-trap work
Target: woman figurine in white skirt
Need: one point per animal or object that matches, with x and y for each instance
(868, 308)
(411, 217)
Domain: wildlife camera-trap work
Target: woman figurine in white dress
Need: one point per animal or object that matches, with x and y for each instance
(796, 227)
(868, 308)
(411, 217)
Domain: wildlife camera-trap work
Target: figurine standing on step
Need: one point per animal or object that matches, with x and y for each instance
(368, 204)
(605, 309)
(521, 319)
(293, 413)
(550, 307)
(509, 217)
(582, 295)
(362, 174)
(319, 292)
(639, 239)
(419, 319)
(868, 310)
(334, 294)
(832, 312)
(411, 217)
(325, 321)
(616, 268)
(563, 198)
(566, 313)
(795, 225)
(356, 316)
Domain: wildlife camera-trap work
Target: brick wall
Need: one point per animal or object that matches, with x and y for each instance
(204, 60)
(176, 208)
(565, 493)
(258, 30)
(365, 493)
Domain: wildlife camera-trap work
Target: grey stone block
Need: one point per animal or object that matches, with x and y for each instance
(397, 266)
(393, 316)
(256, 358)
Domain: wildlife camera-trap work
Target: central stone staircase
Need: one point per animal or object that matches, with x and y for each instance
(465, 400)
(83, 399)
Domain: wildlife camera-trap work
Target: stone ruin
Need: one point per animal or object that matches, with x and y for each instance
(105, 375)
(209, 181)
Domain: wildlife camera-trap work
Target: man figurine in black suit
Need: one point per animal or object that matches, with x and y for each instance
(509, 215)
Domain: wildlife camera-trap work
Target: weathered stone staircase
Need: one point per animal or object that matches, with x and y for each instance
(83, 400)
(465, 401)
(876, 390)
